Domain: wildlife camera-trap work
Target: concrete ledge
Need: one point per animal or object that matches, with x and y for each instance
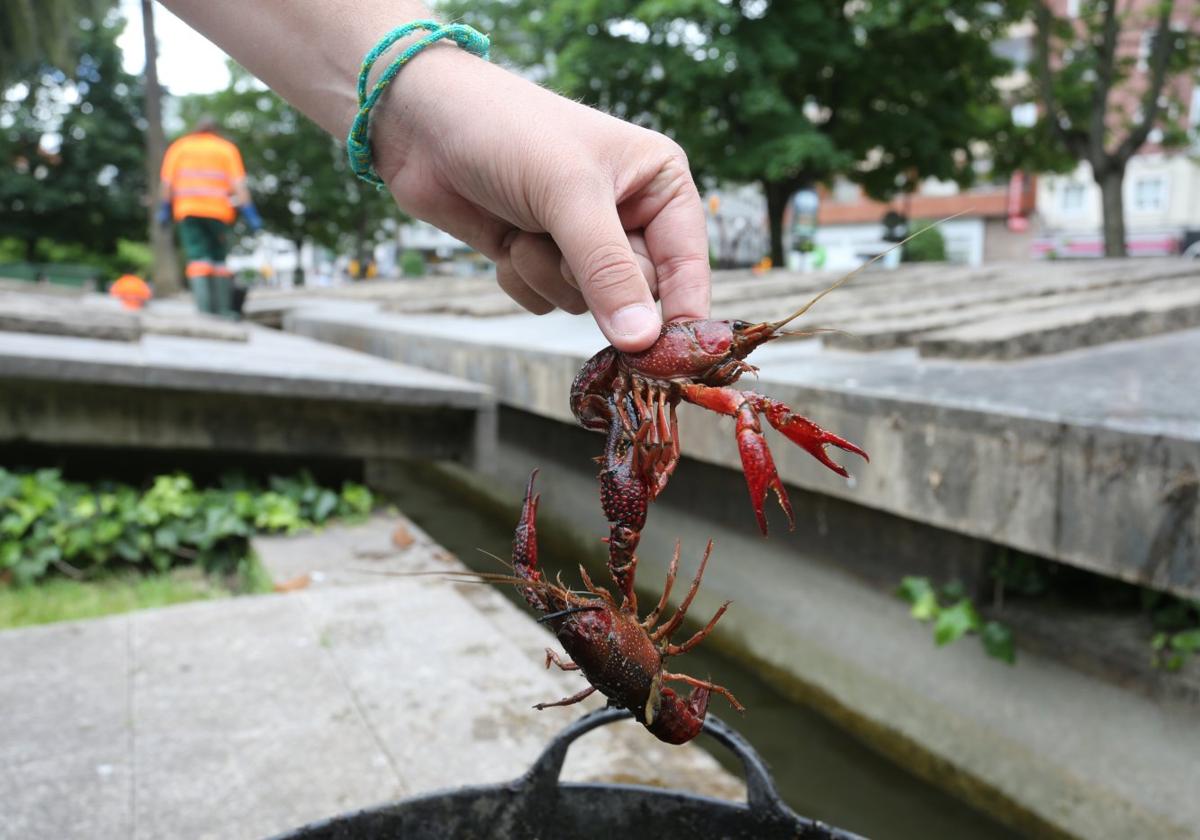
(272, 394)
(1089, 458)
(1036, 333)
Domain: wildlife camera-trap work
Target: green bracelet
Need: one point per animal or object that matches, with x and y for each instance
(358, 143)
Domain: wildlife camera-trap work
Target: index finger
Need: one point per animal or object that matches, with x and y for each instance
(677, 239)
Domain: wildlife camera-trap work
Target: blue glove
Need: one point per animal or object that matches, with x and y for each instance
(164, 213)
(250, 214)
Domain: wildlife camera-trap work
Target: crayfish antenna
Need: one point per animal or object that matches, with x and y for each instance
(785, 321)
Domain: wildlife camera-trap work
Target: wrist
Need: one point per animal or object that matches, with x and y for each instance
(414, 111)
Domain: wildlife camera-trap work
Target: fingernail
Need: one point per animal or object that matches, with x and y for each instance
(636, 319)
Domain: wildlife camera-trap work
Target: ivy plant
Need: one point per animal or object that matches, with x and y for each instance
(51, 525)
(954, 615)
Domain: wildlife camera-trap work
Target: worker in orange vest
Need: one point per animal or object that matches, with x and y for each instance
(203, 190)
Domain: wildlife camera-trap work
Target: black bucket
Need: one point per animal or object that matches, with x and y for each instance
(539, 806)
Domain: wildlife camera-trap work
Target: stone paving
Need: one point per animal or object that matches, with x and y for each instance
(244, 717)
(972, 312)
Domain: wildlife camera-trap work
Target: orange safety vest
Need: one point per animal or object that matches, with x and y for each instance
(202, 169)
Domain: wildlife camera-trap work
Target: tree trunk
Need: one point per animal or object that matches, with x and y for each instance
(166, 265)
(777, 193)
(298, 274)
(364, 244)
(1110, 182)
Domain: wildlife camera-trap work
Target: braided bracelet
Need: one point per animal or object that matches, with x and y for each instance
(358, 142)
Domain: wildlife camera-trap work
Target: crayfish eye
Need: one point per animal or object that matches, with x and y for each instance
(739, 326)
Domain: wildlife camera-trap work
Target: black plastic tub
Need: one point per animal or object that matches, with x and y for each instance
(539, 806)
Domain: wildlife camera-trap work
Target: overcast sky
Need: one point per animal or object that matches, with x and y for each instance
(187, 61)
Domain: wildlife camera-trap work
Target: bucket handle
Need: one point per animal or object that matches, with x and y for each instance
(761, 795)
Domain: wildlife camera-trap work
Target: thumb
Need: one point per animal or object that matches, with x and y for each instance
(596, 248)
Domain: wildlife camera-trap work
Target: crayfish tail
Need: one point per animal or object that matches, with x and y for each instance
(679, 720)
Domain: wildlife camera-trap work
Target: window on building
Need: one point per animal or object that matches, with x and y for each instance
(845, 191)
(1145, 45)
(1071, 197)
(1150, 194)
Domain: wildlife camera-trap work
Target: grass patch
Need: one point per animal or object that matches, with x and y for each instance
(62, 599)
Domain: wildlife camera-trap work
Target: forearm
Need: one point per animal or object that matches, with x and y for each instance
(241, 193)
(308, 51)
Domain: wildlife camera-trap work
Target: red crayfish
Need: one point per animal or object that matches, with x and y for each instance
(631, 397)
(621, 656)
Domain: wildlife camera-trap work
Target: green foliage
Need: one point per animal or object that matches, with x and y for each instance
(72, 159)
(1178, 623)
(1100, 100)
(930, 246)
(412, 264)
(48, 523)
(1100, 74)
(298, 175)
(66, 599)
(1172, 650)
(129, 256)
(42, 30)
(953, 616)
(787, 94)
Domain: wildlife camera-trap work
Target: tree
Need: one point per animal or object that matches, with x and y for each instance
(34, 31)
(166, 264)
(787, 94)
(71, 154)
(298, 174)
(1101, 100)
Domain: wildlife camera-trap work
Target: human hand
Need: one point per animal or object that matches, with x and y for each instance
(578, 209)
(250, 215)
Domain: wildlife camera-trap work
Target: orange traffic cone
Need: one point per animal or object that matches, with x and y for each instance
(131, 290)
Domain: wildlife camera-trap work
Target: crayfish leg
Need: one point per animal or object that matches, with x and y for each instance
(672, 570)
(707, 686)
(671, 626)
(700, 636)
(569, 701)
(553, 657)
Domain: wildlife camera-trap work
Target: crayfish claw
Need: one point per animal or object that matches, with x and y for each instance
(807, 434)
(761, 475)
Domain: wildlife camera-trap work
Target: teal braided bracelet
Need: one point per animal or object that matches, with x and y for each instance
(358, 143)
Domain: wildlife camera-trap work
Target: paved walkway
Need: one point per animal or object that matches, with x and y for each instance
(244, 717)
